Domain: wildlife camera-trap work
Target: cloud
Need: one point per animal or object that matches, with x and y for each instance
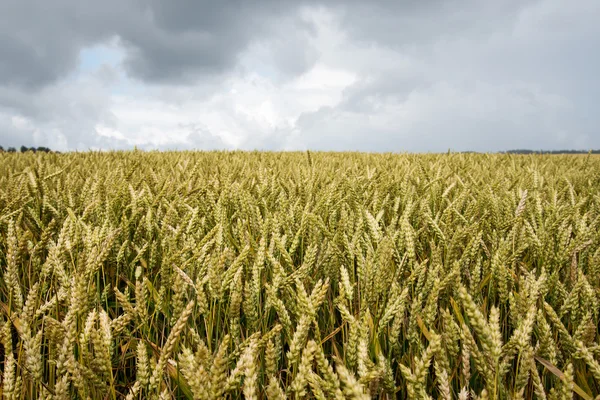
(61, 116)
(40, 41)
(375, 76)
(178, 42)
(442, 117)
(431, 84)
(181, 42)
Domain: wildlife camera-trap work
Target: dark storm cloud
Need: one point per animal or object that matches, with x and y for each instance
(174, 42)
(183, 40)
(40, 40)
(186, 40)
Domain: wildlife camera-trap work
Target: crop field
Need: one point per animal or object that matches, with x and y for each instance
(208, 275)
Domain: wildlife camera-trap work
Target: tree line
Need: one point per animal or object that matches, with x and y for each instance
(527, 151)
(41, 149)
(25, 149)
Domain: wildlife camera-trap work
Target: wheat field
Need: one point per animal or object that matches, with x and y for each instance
(208, 275)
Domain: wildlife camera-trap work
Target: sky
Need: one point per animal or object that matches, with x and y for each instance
(379, 75)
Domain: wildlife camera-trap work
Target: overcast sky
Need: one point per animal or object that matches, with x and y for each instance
(382, 75)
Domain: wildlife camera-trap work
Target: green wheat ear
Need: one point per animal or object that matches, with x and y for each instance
(209, 275)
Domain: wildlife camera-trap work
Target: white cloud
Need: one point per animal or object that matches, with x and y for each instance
(21, 123)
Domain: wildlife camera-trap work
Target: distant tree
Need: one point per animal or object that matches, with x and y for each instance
(25, 149)
(526, 151)
(1, 149)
